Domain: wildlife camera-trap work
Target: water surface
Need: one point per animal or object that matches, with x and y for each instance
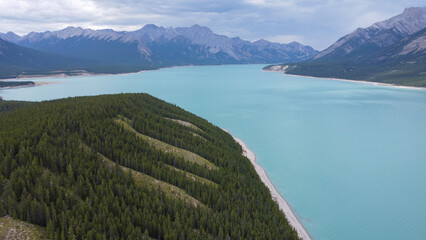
(350, 158)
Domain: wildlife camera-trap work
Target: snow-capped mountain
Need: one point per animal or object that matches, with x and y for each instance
(154, 45)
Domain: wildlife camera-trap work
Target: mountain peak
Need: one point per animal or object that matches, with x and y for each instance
(150, 27)
(379, 35)
(408, 22)
(10, 33)
(72, 28)
(261, 43)
(199, 28)
(152, 32)
(414, 10)
(70, 31)
(10, 37)
(295, 44)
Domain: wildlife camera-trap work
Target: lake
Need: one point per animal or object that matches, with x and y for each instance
(350, 158)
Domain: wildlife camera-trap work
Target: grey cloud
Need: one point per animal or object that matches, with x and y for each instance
(317, 22)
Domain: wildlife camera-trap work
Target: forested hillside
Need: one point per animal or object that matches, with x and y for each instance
(129, 166)
(16, 61)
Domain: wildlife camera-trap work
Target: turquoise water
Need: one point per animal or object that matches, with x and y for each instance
(350, 158)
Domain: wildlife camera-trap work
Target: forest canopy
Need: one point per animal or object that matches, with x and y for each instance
(129, 166)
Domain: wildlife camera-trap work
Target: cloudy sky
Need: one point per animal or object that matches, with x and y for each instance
(318, 23)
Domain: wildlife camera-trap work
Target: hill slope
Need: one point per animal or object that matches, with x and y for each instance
(124, 167)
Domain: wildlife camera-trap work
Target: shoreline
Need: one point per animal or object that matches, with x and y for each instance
(63, 75)
(87, 74)
(48, 76)
(90, 74)
(276, 196)
(29, 85)
(350, 80)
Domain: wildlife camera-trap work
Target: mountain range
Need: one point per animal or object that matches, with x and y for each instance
(16, 60)
(149, 47)
(392, 51)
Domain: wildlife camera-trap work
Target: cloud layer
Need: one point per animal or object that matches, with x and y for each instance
(314, 22)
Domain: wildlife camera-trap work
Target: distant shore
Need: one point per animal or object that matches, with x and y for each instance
(348, 80)
(282, 203)
(62, 75)
(360, 81)
(89, 74)
(83, 73)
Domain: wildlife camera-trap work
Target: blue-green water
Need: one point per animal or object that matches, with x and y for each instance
(350, 158)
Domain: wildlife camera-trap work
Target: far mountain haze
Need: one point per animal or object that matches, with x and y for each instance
(390, 51)
(109, 51)
(16, 60)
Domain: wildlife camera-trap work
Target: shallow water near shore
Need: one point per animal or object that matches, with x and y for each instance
(350, 158)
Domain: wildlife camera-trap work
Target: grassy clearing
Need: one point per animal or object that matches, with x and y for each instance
(147, 181)
(197, 135)
(193, 177)
(168, 189)
(178, 152)
(186, 124)
(144, 180)
(11, 229)
(190, 125)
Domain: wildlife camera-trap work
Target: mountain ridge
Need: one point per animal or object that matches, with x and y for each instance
(239, 50)
(391, 51)
(379, 35)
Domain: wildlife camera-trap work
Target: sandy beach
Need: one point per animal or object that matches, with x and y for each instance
(284, 206)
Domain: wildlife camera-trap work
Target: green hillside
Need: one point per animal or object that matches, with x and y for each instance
(129, 166)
